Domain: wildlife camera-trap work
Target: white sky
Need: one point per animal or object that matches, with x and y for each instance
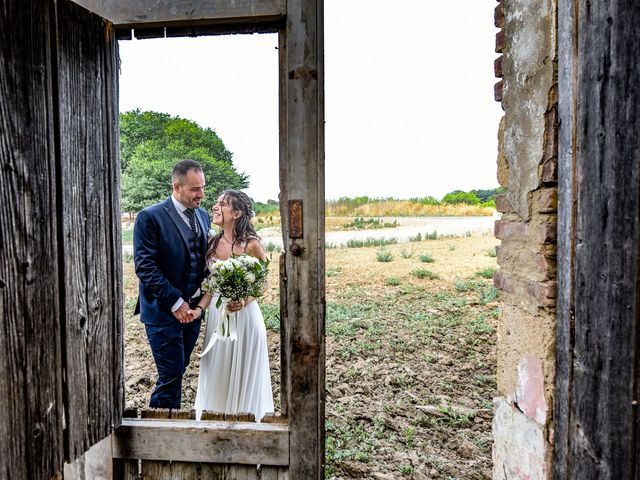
(408, 94)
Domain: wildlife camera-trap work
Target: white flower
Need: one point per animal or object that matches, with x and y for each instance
(211, 233)
(250, 277)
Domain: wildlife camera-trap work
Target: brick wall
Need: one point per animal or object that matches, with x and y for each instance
(527, 168)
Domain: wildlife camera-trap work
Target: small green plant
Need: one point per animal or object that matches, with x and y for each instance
(488, 294)
(422, 273)
(431, 236)
(406, 469)
(427, 258)
(127, 236)
(416, 238)
(371, 242)
(384, 256)
(453, 417)
(271, 247)
(492, 252)
(452, 247)
(329, 245)
(127, 257)
(271, 314)
(404, 253)
(468, 233)
(393, 281)
(486, 273)
(361, 223)
(333, 271)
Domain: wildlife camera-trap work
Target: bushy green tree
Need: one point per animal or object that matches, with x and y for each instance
(458, 196)
(150, 145)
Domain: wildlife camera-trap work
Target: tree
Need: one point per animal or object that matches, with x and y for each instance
(150, 145)
(458, 196)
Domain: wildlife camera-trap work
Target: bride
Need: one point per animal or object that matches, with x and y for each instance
(234, 373)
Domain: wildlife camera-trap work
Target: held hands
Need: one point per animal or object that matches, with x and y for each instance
(183, 314)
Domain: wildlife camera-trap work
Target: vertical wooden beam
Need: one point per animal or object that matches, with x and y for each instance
(599, 274)
(567, 44)
(31, 407)
(90, 223)
(302, 179)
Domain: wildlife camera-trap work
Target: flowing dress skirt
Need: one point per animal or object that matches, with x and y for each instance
(234, 374)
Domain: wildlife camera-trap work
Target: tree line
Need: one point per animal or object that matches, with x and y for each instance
(152, 142)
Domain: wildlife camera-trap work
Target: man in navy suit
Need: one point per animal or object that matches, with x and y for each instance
(169, 248)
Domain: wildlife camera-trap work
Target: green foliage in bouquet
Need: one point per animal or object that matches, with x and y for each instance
(238, 277)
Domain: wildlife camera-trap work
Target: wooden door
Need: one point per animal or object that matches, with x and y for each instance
(61, 384)
(595, 412)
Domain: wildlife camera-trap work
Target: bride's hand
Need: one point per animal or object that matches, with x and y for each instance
(235, 305)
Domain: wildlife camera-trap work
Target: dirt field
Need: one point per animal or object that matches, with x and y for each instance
(410, 369)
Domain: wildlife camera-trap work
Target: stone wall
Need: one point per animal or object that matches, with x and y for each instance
(527, 168)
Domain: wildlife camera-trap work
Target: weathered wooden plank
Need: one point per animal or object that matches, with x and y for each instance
(31, 438)
(172, 12)
(124, 469)
(566, 239)
(241, 472)
(274, 473)
(603, 385)
(302, 178)
(203, 441)
(90, 225)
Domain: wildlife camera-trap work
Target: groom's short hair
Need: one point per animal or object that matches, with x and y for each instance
(181, 169)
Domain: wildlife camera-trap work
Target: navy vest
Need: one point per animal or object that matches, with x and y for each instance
(196, 266)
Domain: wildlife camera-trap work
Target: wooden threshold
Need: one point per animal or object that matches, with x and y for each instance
(246, 443)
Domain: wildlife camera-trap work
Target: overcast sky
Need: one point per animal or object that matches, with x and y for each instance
(408, 91)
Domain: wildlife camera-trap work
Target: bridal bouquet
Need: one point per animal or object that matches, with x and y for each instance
(233, 279)
(236, 278)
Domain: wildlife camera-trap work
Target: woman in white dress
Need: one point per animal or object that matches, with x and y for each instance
(234, 373)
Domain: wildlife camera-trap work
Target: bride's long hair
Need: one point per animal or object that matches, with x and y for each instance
(243, 230)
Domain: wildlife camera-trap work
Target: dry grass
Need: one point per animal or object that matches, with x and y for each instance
(406, 208)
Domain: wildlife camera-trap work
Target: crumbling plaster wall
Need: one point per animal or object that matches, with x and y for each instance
(527, 168)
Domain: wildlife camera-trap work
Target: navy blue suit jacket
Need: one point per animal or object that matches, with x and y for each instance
(161, 254)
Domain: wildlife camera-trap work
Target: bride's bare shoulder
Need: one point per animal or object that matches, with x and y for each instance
(255, 249)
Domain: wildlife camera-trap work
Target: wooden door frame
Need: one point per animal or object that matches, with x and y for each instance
(598, 307)
(299, 24)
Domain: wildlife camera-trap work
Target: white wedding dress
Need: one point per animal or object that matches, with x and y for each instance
(234, 373)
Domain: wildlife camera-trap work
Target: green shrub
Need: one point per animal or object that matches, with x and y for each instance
(384, 256)
(371, 242)
(486, 273)
(422, 273)
(393, 281)
(427, 258)
(492, 252)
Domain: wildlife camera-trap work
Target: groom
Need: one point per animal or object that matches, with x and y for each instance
(169, 248)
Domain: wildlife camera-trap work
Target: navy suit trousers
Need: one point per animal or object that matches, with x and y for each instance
(171, 346)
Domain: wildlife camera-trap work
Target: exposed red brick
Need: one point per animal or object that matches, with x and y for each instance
(501, 41)
(502, 204)
(497, 91)
(550, 134)
(505, 230)
(550, 171)
(543, 294)
(498, 16)
(497, 67)
(530, 389)
(547, 231)
(546, 200)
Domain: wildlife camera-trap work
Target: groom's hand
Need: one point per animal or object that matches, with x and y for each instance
(182, 313)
